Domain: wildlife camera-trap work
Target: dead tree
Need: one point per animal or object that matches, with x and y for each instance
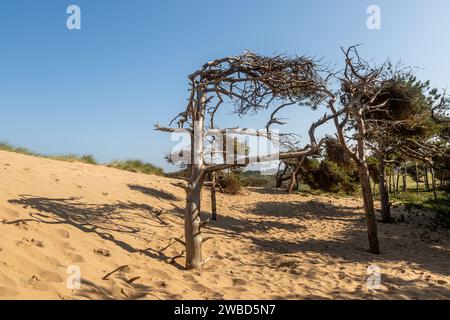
(294, 175)
(280, 176)
(405, 164)
(213, 197)
(424, 151)
(427, 184)
(404, 115)
(388, 113)
(356, 97)
(252, 83)
(291, 167)
(290, 171)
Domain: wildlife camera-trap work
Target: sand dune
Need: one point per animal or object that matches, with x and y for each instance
(266, 245)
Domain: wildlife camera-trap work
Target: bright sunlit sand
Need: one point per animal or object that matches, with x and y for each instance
(265, 244)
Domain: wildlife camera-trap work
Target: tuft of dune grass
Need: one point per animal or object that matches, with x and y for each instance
(9, 147)
(63, 157)
(74, 158)
(127, 165)
(137, 166)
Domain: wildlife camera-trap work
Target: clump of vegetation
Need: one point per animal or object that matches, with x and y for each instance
(180, 174)
(74, 158)
(64, 157)
(255, 179)
(10, 148)
(230, 183)
(137, 166)
(233, 182)
(329, 177)
(426, 201)
(128, 165)
(446, 189)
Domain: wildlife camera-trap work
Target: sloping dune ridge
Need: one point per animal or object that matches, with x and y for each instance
(55, 216)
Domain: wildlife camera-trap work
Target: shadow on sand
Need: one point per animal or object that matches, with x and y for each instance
(399, 241)
(101, 219)
(160, 194)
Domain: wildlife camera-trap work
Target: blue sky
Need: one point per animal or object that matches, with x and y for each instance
(99, 90)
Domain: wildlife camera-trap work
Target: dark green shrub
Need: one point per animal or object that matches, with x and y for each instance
(330, 177)
(254, 181)
(230, 183)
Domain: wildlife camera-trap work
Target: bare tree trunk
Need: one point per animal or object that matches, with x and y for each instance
(292, 183)
(384, 194)
(294, 176)
(364, 178)
(369, 209)
(192, 221)
(404, 178)
(427, 184)
(397, 182)
(390, 184)
(213, 197)
(279, 176)
(417, 177)
(433, 183)
(394, 191)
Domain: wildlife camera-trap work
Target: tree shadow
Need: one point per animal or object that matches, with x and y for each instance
(231, 226)
(160, 194)
(407, 289)
(398, 241)
(311, 209)
(128, 291)
(268, 190)
(105, 220)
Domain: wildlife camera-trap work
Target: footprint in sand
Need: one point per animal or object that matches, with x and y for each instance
(235, 289)
(171, 296)
(102, 252)
(200, 288)
(38, 243)
(22, 243)
(39, 285)
(63, 233)
(75, 258)
(67, 246)
(22, 225)
(239, 282)
(9, 212)
(159, 274)
(50, 276)
(52, 261)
